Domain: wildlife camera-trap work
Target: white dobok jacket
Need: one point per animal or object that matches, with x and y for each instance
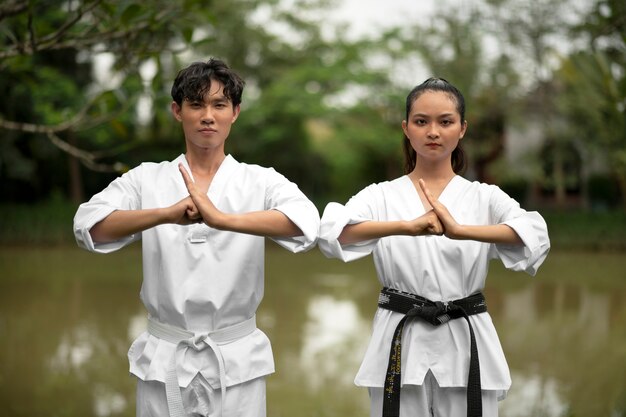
(198, 278)
(439, 269)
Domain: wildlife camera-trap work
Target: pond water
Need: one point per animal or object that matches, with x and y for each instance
(67, 318)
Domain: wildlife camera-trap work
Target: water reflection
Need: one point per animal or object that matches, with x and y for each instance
(107, 402)
(535, 396)
(566, 346)
(333, 334)
(74, 350)
(64, 336)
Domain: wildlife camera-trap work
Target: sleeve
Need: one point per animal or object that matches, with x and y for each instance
(285, 196)
(121, 194)
(358, 209)
(531, 228)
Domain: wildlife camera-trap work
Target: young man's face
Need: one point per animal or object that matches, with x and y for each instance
(206, 124)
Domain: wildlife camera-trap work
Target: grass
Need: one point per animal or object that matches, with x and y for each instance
(587, 230)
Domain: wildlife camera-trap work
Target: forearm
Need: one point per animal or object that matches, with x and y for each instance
(268, 223)
(354, 233)
(122, 223)
(497, 233)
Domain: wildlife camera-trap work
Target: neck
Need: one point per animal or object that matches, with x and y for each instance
(433, 173)
(204, 162)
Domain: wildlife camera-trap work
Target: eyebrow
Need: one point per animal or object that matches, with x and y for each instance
(219, 99)
(436, 116)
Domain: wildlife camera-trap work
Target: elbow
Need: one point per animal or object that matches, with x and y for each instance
(99, 235)
(344, 236)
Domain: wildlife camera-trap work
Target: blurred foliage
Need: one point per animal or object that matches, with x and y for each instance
(87, 88)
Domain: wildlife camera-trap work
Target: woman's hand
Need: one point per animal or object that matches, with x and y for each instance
(427, 224)
(494, 233)
(450, 226)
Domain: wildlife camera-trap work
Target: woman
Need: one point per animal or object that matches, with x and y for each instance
(432, 234)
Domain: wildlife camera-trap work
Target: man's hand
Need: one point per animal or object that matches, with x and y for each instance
(184, 212)
(202, 207)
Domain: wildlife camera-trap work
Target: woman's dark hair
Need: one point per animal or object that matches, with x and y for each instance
(192, 83)
(434, 84)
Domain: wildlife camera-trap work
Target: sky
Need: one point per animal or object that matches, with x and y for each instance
(366, 17)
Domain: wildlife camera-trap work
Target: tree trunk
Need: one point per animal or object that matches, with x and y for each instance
(76, 190)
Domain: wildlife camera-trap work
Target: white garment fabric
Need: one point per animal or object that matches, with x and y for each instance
(431, 400)
(247, 399)
(439, 269)
(195, 277)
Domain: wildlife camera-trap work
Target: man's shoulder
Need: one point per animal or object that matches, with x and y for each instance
(152, 166)
(254, 169)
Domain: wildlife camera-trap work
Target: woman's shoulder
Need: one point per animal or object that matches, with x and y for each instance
(485, 191)
(380, 191)
(476, 185)
(396, 183)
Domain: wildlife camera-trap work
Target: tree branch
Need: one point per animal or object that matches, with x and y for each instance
(80, 40)
(87, 158)
(12, 9)
(54, 37)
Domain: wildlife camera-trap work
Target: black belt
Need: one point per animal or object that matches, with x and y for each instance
(436, 313)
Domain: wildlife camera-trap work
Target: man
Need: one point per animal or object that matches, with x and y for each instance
(202, 219)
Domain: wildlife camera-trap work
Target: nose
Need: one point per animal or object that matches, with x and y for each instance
(432, 132)
(207, 115)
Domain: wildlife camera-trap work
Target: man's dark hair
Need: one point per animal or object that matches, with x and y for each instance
(192, 83)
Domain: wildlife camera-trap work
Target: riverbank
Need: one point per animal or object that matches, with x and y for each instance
(50, 223)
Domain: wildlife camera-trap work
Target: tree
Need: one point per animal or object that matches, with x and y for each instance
(291, 73)
(594, 87)
(537, 33)
(47, 57)
(453, 46)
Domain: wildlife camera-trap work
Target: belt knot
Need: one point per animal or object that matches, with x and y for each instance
(436, 313)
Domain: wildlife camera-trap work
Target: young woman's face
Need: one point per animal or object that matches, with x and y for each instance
(206, 124)
(434, 126)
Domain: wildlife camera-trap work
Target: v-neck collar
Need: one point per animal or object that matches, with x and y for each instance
(223, 173)
(442, 197)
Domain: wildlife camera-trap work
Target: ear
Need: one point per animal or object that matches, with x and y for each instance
(236, 111)
(176, 109)
(404, 128)
(463, 129)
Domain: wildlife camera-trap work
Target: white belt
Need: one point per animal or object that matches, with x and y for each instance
(185, 339)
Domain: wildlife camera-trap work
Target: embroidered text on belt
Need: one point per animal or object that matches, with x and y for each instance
(436, 313)
(185, 339)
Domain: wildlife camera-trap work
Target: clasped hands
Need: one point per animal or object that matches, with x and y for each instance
(437, 221)
(196, 208)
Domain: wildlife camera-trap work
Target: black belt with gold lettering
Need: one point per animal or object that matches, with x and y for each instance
(436, 313)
